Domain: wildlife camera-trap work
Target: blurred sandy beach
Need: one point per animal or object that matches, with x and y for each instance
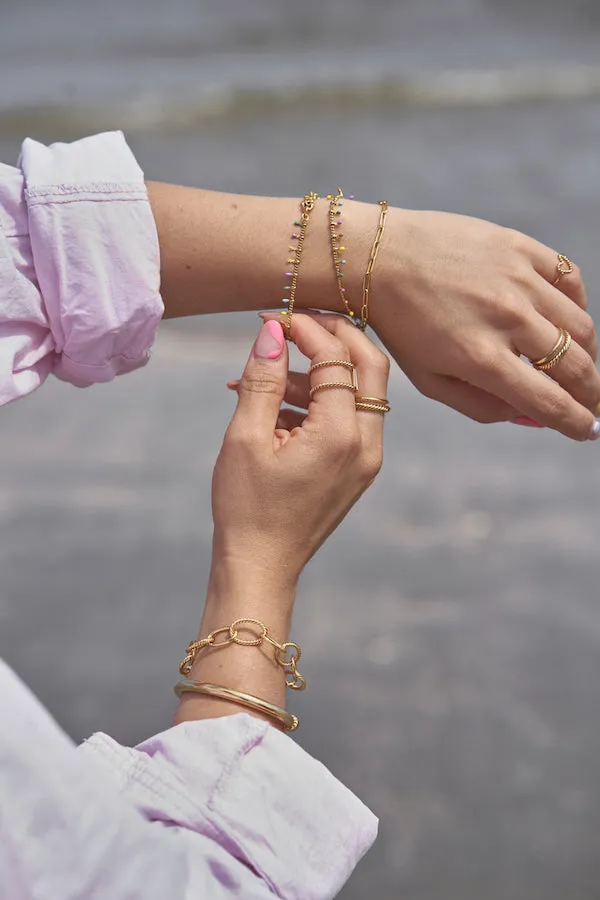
(451, 628)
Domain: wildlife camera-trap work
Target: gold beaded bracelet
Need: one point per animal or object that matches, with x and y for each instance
(307, 204)
(286, 654)
(337, 248)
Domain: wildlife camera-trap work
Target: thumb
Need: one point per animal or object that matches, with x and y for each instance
(262, 385)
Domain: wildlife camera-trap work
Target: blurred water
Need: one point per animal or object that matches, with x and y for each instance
(146, 61)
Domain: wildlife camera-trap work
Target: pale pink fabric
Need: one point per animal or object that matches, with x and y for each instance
(79, 265)
(207, 810)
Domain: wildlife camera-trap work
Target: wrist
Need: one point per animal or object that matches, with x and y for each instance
(317, 285)
(239, 587)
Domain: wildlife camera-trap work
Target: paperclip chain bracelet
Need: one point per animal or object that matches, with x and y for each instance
(366, 286)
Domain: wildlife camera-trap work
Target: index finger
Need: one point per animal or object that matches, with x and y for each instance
(372, 367)
(319, 345)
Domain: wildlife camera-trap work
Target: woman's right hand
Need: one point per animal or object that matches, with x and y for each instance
(284, 480)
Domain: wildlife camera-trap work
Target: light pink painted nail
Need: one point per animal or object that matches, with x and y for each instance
(270, 341)
(525, 420)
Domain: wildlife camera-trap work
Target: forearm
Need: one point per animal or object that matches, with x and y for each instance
(234, 592)
(228, 252)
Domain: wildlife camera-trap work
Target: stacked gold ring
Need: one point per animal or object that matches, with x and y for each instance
(556, 354)
(333, 385)
(373, 404)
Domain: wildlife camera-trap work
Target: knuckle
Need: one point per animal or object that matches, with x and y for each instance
(338, 348)
(586, 331)
(482, 355)
(236, 440)
(380, 363)
(371, 466)
(347, 444)
(556, 408)
(514, 239)
(261, 382)
(582, 368)
(510, 309)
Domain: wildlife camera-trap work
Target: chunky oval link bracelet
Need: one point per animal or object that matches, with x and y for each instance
(286, 654)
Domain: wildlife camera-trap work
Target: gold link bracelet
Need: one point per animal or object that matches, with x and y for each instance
(286, 654)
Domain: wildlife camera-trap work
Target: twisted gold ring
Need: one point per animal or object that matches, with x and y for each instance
(564, 266)
(372, 404)
(332, 385)
(345, 363)
(556, 354)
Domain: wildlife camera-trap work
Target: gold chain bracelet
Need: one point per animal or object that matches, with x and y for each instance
(286, 654)
(366, 286)
(337, 248)
(307, 204)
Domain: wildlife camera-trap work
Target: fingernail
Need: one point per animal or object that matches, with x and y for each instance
(595, 430)
(525, 420)
(270, 341)
(233, 385)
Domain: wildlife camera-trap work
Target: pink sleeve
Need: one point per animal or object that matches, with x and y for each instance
(79, 265)
(254, 792)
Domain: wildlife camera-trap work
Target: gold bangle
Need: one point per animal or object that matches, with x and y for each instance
(286, 654)
(287, 720)
(366, 286)
(307, 204)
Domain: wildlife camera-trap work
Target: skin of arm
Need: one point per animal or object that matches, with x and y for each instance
(458, 302)
(227, 252)
(277, 494)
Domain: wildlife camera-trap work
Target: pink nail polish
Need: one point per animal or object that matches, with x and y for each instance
(525, 420)
(270, 341)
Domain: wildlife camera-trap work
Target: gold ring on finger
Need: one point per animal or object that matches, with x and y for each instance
(556, 357)
(557, 347)
(372, 407)
(333, 385)
(345, 363)
(372, 404)
(564, 266)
